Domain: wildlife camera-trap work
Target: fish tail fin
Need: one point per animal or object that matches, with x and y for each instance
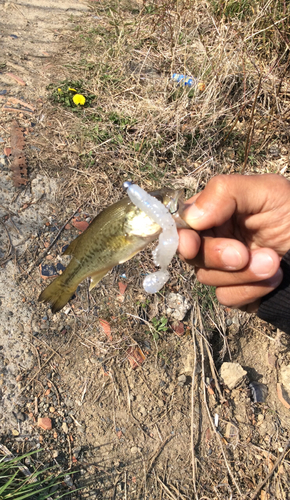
(57, 294)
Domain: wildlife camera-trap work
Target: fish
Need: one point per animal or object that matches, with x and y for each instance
(114, 236)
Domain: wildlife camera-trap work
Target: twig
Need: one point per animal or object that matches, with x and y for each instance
(192, 409)
(152, 462)
(131, 413)
(210, 417)
(38, 371)
(166, 489)
(251, 127)
(8, 254)
(69, 452)
(55, 390)
(39, 260)
(213, 426)
(37, 354)
(46, 345)
(276, 464)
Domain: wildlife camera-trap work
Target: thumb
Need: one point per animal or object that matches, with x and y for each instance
(225, 195)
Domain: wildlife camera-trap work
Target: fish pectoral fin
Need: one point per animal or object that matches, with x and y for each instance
(96, 277)
(134, 252)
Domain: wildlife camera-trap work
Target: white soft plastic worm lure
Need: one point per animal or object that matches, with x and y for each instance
(168, 239)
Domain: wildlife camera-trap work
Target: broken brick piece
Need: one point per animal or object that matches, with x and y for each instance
(18, 165)
(122, 287)
(81, 225)
(106, 327)
(44, 423)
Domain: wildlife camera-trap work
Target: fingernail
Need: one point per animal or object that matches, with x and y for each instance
(261, 264)
(231, 258)
(276, 279)
(193, 212)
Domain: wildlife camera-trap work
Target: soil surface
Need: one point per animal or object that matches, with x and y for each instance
(132, 399)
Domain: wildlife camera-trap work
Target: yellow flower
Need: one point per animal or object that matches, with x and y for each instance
(79, 99)
(74, 90)
(59, 90)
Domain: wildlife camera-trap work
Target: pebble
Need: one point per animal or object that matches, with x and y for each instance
(55, 453)
(68, 480)
(177, 306)
(76, 451)
(232, 374)
(52, 409)
(181, 380)
(134, 450)
(65, 427)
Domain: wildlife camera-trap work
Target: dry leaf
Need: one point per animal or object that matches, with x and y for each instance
(135, 356)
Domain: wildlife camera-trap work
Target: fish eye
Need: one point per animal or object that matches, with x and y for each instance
(173, 211)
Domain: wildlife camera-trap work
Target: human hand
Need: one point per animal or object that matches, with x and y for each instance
(244, 230)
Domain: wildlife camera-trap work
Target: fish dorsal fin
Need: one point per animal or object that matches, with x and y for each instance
(71, 248)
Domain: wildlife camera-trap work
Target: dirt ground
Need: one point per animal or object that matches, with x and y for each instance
(131, 383)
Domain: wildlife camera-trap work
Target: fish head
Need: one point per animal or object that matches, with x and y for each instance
(139, 224)
(173, 200)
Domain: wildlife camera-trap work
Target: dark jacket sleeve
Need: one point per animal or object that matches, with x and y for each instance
(275, 307)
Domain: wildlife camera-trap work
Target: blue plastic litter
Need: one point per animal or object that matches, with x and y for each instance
(3, 92)
(14, 36)
(1, 140)
(60, 267)
(185, 80)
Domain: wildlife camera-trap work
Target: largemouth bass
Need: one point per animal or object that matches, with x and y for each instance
(114, 236)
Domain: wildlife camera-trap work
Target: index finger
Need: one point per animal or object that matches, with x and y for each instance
(225, 195)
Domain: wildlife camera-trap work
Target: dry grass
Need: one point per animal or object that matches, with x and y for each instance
(143, 127)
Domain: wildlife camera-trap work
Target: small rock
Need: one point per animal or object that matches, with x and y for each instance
(44, 423)
(65, 427)
(232, 374)
(134, 450)
(177, 306)
(181, 379)
(54, 453)
(142, 410)
(68, 480)
(76, 451)
(15, 432)
(52, 409)
(188, 362)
